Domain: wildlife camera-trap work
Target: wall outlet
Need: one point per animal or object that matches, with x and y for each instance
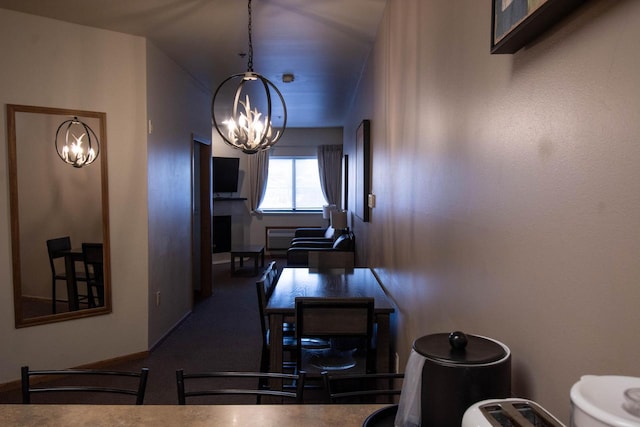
(396, 363)
(158, 299)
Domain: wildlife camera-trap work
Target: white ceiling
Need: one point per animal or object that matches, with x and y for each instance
(324, 43)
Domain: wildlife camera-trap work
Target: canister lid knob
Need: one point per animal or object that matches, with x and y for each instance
(458, 340)
(458, 348)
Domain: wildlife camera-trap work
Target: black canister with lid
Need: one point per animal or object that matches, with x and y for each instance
(460, 370)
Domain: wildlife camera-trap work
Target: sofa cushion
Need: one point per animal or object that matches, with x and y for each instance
(343, 243)
(314, 232)
(330, 233)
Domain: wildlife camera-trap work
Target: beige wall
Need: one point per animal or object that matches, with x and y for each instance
(178, 108)
(53, 64)
(508, 187)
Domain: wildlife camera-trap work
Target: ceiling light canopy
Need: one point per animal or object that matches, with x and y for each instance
(251, 122)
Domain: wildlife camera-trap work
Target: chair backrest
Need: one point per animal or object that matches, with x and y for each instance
(358, 388)
(93, 266)
(330, 233)
(92, 253)
(335, 318)
(271, 276)
(274, 274)
(262, 288)
(55, 248)
(345, 242)
(97, 378)
(93, 260)
(217, 382)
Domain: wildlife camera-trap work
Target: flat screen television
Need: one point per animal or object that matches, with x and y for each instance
(225, 174)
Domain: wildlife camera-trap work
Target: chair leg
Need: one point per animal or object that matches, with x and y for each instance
(264, 359)
(100, 296)
(53, 296)
(90, 301)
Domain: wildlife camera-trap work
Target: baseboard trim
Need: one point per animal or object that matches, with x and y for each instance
(109, 362)
(13, 385)
(166, 334)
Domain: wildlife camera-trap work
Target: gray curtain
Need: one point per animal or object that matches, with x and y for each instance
(258, 174)
(330, 167)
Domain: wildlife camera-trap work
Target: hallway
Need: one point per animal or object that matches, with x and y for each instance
(222, 333)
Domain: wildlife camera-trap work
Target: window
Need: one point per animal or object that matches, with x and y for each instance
(293, 185)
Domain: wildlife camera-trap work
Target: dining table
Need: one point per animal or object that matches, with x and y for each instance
(187, 415)
(328, 283)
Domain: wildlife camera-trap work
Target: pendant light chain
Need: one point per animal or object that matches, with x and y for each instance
(248, 128)
(250, 60)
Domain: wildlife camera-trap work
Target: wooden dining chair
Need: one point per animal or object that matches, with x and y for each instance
(93, 266)
(347, 323)
(92, 381)
(56, 249)
(239, 384)
(362, 388)
(289, 343)
(288, 337)
(272, 274)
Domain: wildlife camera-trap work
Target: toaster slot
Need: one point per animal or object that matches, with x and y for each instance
(535, 417)
(499, 417)
(517, 414)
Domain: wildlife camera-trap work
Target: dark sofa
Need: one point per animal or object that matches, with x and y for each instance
(314, 234)
(298, 252)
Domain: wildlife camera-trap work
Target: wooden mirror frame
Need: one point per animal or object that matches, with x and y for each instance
(12, 110)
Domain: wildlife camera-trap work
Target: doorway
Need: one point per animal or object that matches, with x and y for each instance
(201, 218)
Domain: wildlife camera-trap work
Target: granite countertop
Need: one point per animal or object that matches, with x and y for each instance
(189, 415)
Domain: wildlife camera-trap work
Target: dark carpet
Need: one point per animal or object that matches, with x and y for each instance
(221, 334)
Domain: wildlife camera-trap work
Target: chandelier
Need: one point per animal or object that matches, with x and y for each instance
(76, 143)
(246, 127)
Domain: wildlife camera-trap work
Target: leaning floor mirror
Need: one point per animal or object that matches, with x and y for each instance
(59, 214)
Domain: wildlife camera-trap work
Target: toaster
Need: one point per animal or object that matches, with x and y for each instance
(511, 412)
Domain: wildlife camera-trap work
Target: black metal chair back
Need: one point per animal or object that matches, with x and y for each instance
(96, 380)
(217, 381)
(357, 388)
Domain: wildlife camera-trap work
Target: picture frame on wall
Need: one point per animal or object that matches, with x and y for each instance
(515, 23)
(363, 165)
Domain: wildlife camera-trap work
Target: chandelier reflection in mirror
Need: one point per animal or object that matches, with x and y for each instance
(76, 143)
(245, 126)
